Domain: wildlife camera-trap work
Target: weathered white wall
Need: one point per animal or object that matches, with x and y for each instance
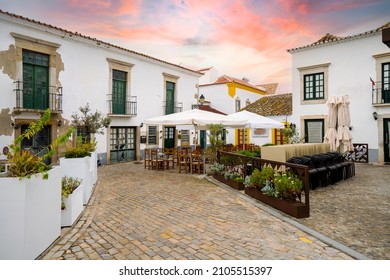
(85, 78)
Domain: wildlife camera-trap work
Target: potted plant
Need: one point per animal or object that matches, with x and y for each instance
(281, 190)
(30, 198)
(72, 200)
(81, 161)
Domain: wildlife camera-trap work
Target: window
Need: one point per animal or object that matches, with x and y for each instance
(119, 81)
(35, 80)
(152, 135)
(185, 137)
(314, 131)
(170, 98)
(313, 86)
(237, 105)
(386, 82)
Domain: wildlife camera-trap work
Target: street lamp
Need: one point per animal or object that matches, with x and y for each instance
(201, 99)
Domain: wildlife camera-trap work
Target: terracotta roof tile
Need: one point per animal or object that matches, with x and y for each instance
(99, 42)
(269, 88)
(210, 109)
(227, 79)
(329, 38)
(272, 105)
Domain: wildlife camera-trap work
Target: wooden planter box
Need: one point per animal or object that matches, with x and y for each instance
(295, 209)
(30, 215)
(230, 183)
(73, 207)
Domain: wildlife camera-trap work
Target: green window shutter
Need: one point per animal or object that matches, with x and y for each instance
(170, 98)
(35, 80)
(119, 82)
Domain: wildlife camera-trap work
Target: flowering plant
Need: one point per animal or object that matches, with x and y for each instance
(288, 186)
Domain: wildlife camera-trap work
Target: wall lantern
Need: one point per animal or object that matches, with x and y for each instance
(375, 115)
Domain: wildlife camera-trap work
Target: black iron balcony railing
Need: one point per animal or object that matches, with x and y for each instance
(380, 96)
(172, 107)
(118, 106)
(38, 97)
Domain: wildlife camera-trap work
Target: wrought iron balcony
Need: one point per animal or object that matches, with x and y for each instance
(380, 96)
(172, 107)
(38, 97)
(117, 106)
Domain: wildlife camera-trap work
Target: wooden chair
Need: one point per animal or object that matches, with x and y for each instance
(156, 161)
(169, 157)
(196, 163)
(184, 161)
(147, 159)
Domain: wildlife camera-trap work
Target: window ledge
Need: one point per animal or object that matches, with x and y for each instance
(120, 116)
(381, 105)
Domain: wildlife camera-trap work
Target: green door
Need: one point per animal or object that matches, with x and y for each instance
(386, 135)
(119, 92)
(170, 98)
(169, 137)
(35, 80)
(122, 144)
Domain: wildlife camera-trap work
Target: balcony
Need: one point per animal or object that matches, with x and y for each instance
(172, 107)
(380, 96)
(38, 97)
(124, 108)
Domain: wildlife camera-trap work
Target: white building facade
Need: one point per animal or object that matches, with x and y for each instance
(43, 66)
(336, 66)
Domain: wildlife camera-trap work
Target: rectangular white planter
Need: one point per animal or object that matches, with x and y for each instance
(30, 215)
(93, 167)
(73, 207)
(79, 168)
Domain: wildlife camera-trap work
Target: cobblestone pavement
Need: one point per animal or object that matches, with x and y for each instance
(355, 212)
(140, 214)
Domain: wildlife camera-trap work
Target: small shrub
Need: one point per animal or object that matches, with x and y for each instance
(68, 184)
(217, 168)
(288, 186)
(269, 189)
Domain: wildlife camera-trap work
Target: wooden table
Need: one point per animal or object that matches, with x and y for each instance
(282, 153)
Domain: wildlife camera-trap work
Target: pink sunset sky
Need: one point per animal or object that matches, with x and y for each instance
(247, 38)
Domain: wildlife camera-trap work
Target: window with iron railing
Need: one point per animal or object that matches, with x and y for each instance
(175, 107)
(25, 98)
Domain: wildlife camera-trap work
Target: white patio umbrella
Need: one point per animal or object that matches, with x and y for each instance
(254, 120)
(198, 118)
(331, 135)
(343, 124)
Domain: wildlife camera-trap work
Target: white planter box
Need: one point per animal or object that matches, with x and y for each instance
(30, 215)
(73, 207)
(79, 168)
(93, 167)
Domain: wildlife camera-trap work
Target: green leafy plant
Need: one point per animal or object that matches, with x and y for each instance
(81, 150)
(90, 122)
(217, 168)
(68, 185)
(216, 141)
(259, 178)
(22, 162)
(288, 186)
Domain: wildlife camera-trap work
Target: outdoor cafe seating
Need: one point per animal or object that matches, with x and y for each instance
(188, 159)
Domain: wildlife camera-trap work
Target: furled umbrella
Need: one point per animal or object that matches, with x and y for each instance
(331, 136)
(344, 122)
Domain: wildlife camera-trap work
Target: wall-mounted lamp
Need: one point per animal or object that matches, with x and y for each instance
(201, 99)
(141, 125)
(375, 115)
(59, 122)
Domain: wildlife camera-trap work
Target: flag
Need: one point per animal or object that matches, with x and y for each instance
(373, 83)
